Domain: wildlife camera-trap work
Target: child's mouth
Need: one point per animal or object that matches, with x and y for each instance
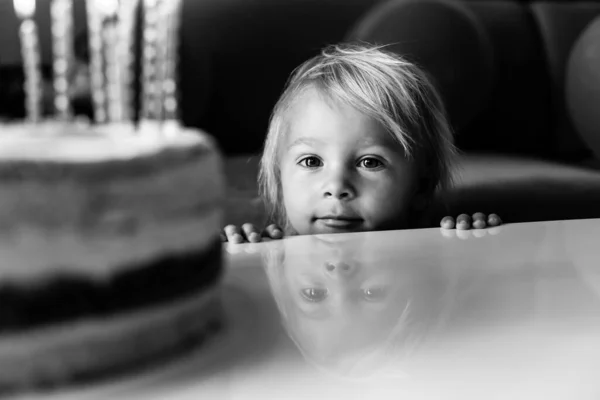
(339, 223)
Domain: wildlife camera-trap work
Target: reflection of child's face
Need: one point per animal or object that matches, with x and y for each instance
(347, 301)
(343, 304)
(335, 284)
(341, 171)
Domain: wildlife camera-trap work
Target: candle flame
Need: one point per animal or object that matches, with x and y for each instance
(24, 8)
(108, 7)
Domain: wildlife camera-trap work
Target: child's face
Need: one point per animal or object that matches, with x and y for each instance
(341, 171)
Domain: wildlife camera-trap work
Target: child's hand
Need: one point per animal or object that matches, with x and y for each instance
(465, 222)
(248, 233)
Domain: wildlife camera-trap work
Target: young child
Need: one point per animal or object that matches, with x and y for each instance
(358, 141)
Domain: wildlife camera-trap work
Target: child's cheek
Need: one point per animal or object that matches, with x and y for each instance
(296, 205)
(390, 210)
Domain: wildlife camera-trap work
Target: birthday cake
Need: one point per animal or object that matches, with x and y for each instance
(110, 253)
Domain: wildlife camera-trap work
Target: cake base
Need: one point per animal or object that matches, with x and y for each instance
(112, 252)
(93, 350)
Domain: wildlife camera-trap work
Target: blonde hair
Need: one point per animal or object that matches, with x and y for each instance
(382, 85)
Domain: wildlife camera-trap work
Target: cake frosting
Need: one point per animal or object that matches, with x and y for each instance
(57, 141)
(105, 232)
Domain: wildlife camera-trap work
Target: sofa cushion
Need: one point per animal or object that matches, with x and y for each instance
(523, 189)
(560, 24)
(516, 120)
(583, 86)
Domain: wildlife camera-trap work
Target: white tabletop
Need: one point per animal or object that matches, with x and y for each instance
(506, 313)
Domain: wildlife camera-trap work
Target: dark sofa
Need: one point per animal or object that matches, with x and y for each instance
(501, 67)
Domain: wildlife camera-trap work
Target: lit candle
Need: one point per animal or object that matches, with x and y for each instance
(149, 86)
(126, 55)
(161, 46)
(62, 48)
(170, 82)
(96, 61)
(110, 33)
(25, 9)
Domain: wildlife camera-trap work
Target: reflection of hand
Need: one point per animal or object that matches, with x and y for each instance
(249, 233)
(468, 233)
(465, 222)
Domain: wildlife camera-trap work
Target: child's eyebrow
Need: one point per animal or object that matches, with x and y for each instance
(369, 141)
(304, 140)
(384, 141)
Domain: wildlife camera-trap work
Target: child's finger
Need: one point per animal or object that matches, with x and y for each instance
(447, 223)
(273, 231)
(233, 234)
(494, 220)
(251, 233)
(479, 220)
(479, 224)
(463, 222)
(479, 216)
(463, 217)
(463, 226)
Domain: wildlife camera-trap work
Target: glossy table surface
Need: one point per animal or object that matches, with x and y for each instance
(506, 313)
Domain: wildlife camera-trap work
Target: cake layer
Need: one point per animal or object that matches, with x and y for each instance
(165, 194)
(31, 255)
(90, 349)
(69, 298)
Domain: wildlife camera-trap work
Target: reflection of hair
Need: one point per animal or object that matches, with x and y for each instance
(384, 357)
(381, 85)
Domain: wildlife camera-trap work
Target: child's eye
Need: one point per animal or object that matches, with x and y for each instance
(370, 163)
(374, 294)
(310, 162)
(315, 295)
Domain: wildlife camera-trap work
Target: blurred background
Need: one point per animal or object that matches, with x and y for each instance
(520, 79)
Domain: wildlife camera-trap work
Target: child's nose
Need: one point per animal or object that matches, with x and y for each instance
(339, 270)
(338, 186)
